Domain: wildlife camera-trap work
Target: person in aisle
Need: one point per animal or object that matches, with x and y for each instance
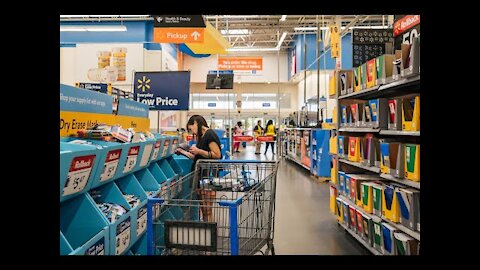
(207, 147)
(270, 131)
(237, 131)
(257, 131)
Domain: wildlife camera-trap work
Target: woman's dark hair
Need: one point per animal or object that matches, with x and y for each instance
(201, 122)
(239, 123)
(270, 122)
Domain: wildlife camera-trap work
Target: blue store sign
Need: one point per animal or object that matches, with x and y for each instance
(163, 90)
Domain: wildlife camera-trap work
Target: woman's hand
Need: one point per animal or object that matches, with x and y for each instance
(194, 150)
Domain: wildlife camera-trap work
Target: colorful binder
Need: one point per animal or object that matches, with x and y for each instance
(408, 202)
(412, 162)
(390, 209)
(388, 238)
(377, 191)
(405, 245)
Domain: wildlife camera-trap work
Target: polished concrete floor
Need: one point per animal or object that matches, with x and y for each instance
(303, 222)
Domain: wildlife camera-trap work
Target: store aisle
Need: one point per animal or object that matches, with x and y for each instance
(303, 222)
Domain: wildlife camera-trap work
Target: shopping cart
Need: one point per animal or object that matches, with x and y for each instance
(223, 207)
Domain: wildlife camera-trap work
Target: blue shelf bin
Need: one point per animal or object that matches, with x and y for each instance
(157, 173)
(150, 185)
(162, 180)
(120, 231)
(158, 147)
(166, 146)
(174, 145)
(167, 169)
(82, 161)
(83, 228)
(140, 247)
(130, 185)
(145, 153)
(184, 163)
(65, 247)
(131, 161)
(175, 166)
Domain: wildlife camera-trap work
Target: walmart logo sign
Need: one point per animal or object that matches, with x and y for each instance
(144, 83)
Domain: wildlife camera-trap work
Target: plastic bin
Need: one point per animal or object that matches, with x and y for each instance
(157, 148)
(140, 247)
(130, 185)
(146, 153)
(120, 231)
(150, 185)
(83, 227)
(78, 164)
(184, 163)
(132, 160)
(174, 165)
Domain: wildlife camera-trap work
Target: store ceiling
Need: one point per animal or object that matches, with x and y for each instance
(258, 31)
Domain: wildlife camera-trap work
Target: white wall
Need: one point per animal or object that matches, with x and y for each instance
(200, 67)
(312, 90)
(67, 65)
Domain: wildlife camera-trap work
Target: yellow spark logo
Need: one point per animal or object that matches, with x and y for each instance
(143, 83)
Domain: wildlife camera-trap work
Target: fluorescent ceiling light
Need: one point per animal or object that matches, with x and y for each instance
(253, 49)
(284, 17)
(93, 28)
(313, 28)
(235, 32)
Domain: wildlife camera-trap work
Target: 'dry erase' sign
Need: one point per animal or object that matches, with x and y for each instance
(163, 90)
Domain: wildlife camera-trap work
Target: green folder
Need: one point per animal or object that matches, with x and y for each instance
(377, 199)
(411, 150)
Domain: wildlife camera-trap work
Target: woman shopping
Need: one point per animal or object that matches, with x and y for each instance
(270, 131)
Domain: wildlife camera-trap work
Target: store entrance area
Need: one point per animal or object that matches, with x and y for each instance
(303, 223)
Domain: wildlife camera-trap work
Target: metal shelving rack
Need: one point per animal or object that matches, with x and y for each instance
(396, 88)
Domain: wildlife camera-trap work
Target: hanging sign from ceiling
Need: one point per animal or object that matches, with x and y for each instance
(178, 21)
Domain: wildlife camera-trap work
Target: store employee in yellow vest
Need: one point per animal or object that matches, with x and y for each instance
(270, 131)
(257, 131)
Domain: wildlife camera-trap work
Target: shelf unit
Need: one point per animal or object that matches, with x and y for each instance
(405, 85)
(356, 164)
(399, 226)
(296, 161)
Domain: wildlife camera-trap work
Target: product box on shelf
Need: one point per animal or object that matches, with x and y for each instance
(346, 215)
(158, 147)
(333, 143)
(412, 162)
(353, 188)
(83, 230)
(146, 154)
(332, 84)
(376, 152)
(397, 65)
(353, 218)
(367, 229)
(379, 111)
(341, 182)
(408, 202)
(78, 165)
(357, 114)
(339, 209)
(395, 113)
(354, 149)
(388, 238)
(371, 73)
(367, 198)
(359, 223)
(367, 154)
(334, 170)
(405, 245)
(346, 120)
(342, 146)
(150, 185)
(363, 75)
(397, 159)
(120, 226)
(345, 82)
(367, 114)
(411, 58)
(346, 186)
(359, 179)
(377, 234)
(357, 79)
(384, 65)
(385, 158)
(333, 198)
(377, 191)
(411, 113)
(390, 208)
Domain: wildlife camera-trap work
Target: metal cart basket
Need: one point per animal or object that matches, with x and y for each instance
(223, 207)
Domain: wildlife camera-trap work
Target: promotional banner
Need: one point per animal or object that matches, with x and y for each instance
(245, 65)
(405, 28)
(178, 21)
(105, 88)
(369, 43)
(107, 63)
(80, 100)
(334, 41)
(132, 108)
(163, 90)
(178, 35)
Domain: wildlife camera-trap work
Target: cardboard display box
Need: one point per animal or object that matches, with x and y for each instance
(376, 152)
(385, 158)
(345, 82)
(353, 218)
(363, 75)
(405, 245)
(342, 146)
(359, 223)
(411, 113)
(367, 151)
(397, 160)
(367, 229)
(356, 183)
(379, 110)
(354, 149)
(390, 208)
(377, 234)
(356, 110)
(408, 202)
(339, 209)
(357, 79)
(388, 238)
(341, 182)
(333, 199)
(371, 73)
(384, 65)
(367, 115)
(377, 193)
(346, 186)
(395, 113)
(411, 58)
(397, 65)
(333, 143)
(367, 196)
(346, 215)
(334, 171)
(332, 84)
(412, 162)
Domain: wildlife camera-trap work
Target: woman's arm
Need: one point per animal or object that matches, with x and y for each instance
(214, 149)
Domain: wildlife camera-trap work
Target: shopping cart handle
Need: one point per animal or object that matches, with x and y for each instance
(231, 203)
(151, 200)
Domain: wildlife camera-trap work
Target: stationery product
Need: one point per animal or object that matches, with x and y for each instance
(405, 245)
(395, 113)
(408, 202)
(385, 158)
(354, 149)
(377, 191)
(384, 66)
(367, 229)
(367, 196)
(390, 209)
(412, 162)
(377, 234)
(388, 238)
(357, 79)
(411, 113)
(353, 218)
(333, 198)
(371, 73)
(396, 156)
(379, 112)
(339, 210)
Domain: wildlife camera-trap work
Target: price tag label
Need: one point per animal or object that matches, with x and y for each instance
(78, 175)
(97, 249)
(111, 164)
(147, 150)
(165, 147)
(142, 220)
(122, 238)
(156, 150)
(131, 158)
